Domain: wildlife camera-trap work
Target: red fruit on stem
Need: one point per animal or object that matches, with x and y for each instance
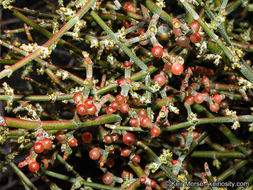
(94, 154)
(176, 23)
(88, 103)
(134, 122)
(183, 41)
(77, 97)
(47, 143)
(136, 159)
(81, 109)
(142, 113)
(125, 152)
(87, 137)
(195, 37)
(155, 131)
(127, 64)
(109, 110)
(214, 107)
(59, 135)
(129, 7)
(34, 167)
(121, 82)
(157, 51)
(92, 110)
(120, 99)
(195, 134)
(114, 105)
(199, 98)
(160, 79)
(177, 69)
(124, 108)
(195, 26)
(38, 147)
(72, 141)
(142, 180)
(217, 98)
(177, 32)
(145, 122)
(107, 139)
(174, 162)
(153, 183)
(107, 179)
(128, 139)
(189, 100)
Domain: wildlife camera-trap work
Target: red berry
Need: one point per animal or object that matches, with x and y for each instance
(107, 139)
(214, 107)
(145, 122)
(88, 103)
(155, 131)
(142, 180)
(157, 51)
(205, 80)
(34, 166)
(114, 105)
(195, 134)
(185, 134)
(92, 110)
(38, 147)
(142, 113)
(110, 162)
(129, 139)
(189, 100)
(177, 69)
(87, 137)
(134, 122)
(47, 143)
(195, 26)
(174, 162)
(129, 7)
(109, 110)
(160, 79)
(153, 183)
(176, 23)
(121, 82)
(199, 98)
(107, 179)
(177, 32)
(59, 135)
(167, 67)
(114, 137)
(72, 141)
(120, 99)
(127, 64)
(136, 159)
(183, 41)
(217, 98)
(77, 97)
(125, 152)
(125, 174)
(94, 154)
(124, 108)
(195, 37)
(81, 109)
(141, 31)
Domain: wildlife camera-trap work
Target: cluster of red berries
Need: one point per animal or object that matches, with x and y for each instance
(118, 104)
(60, 136)
(84, 107)
(200, 97)
(183, 40)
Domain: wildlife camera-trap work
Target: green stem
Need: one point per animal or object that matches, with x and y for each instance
(232, 170)
(21, 175)
(73, 180)
(215, 154)
(51, 41)
(116, 41)
(61, 124)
